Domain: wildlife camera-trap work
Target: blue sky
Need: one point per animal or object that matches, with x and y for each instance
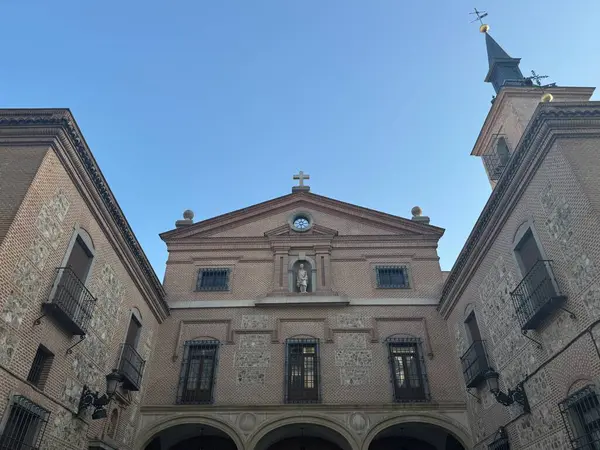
(213, 105)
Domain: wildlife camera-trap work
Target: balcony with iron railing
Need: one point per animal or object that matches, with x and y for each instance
(475, 363)
(537, 296)
(494, 164)
(71, 304)
(131, 367)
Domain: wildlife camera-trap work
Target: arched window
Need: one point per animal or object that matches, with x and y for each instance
(502, 151)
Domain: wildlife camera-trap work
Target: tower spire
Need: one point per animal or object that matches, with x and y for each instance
(503, 69)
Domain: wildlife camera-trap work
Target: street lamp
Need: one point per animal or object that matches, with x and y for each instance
(89, 398)
(516, 395)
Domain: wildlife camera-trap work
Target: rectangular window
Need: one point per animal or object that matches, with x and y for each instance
(198, 372)
(302, 371)
(38, 374)
(500, 444)
(581, 414)
(392, 277)
(25, 425)
(408, 370)
(213, 280)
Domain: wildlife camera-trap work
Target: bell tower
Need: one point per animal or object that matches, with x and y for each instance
(513, 106)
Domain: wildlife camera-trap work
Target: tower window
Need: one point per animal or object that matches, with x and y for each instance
(392, 277)
(40, 368)
(213, 280)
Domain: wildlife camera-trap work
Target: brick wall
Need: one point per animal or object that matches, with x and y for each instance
(559, 204)
(34, 246)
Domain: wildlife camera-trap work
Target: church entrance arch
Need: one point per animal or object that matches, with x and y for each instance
(185, 436)
(414, 436)
(302, 436)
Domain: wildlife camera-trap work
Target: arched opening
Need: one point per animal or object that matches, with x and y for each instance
(191, 436)
(415, 436)
(303, 436)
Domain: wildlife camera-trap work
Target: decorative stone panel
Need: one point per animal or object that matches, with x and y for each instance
(68, 429)
(355, 376)
(541, 422)
(351, 340)
(147, 347)
(59, 205)
(496, 303)
(14, 309)
(591, 300)
(27, 278)
(351, 321)
(49, 226)
(109, 292)
(87, 372)
(538, 388)
(358, 422)
(254, 341)
(252, 359)
(559, 332)
(255, 322)
(353, 358)
(512, 343)
(251, 375)
(559, 221)
(95, 349)
(71, 393)
(582, 272)
(38, 252)
(522, 364)
(8, 345)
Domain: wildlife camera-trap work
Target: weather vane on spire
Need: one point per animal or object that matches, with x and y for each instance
(537, 78)
(483, 27)
(546, 96)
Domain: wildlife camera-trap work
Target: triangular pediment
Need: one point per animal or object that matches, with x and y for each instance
(329, 218)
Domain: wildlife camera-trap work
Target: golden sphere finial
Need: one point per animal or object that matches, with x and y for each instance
(547, 97)
(484, 28)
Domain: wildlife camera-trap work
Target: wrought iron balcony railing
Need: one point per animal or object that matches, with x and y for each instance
(536, 296)
(475, 363)
(71, 304)
(131, 367)
(494, 165)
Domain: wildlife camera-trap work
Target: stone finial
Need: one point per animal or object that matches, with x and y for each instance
(417, 215)
(188, 219)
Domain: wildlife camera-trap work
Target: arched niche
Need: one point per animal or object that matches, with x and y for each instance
(310, 266)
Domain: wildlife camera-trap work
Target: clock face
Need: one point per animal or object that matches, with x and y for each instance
(301, 223)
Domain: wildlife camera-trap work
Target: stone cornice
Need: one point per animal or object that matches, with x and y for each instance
(303, 199)
(58, 128)
(329, 407)
(482, 141)
(549, 121)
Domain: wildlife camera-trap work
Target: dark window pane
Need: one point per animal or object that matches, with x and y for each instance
(302, 370)
(197, 372)
(40, 368)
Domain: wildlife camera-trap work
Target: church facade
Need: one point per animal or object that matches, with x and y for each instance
(304, 319)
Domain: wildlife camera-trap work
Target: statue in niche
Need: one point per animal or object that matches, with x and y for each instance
(302, 279)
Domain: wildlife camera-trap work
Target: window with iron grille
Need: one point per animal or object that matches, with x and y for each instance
(302, 371)
(25, 426)
(408, 370)
(392, 277)
(500, 444)
(213, 280)
(581, 414)
(198, 368)
(40, 368)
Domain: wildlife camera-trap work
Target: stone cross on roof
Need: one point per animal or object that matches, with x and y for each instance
(301, 176)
